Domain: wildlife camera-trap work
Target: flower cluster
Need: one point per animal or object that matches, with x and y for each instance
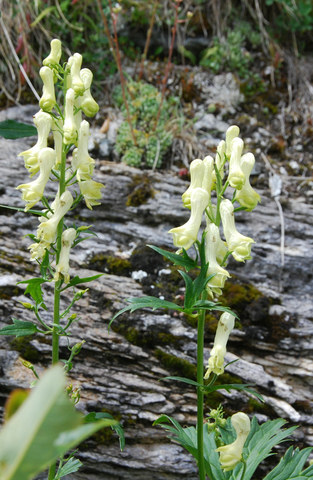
(68, 130)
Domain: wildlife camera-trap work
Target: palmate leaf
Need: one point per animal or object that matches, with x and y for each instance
(71, 466)
(34, 290)
(182, 260)
(77, 280)
(19, 328)
(44, 428)
(290, 466)
(11, 129)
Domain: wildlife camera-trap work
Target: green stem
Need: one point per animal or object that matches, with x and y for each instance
(200, 346)
(52, 471)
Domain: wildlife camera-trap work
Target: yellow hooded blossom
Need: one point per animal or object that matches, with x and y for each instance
(186, 235)
(75, 63)
(86, 102)
(212, 246)
(32, 192)
(231, 455)
(47, 230)
(247, 196)
(196, 178)
(43, 123)
(55, 54)
(220, 159)
(62, 268)
(47, 100)
(69, 127)
(82, 163)
(216, 360)
(231, 133)
(238, 244)
(208, 178)
(236, 177)
(91, 192)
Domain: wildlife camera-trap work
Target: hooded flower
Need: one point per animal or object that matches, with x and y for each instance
(238, 245)
(186, 235)
(216, 360)
(208, 177)
(247, 196)
(43, 123)
(236, 177)
(231, 133)
(47, 100)
(69, 127)
(231, 455)
(47, 230)
(82, 163)
(62, 268)
(220, 159)
(91, 192)
(86, 102)
(196, 179)
(75, 63)
(55, 54)
(213, 244)
(32, 192)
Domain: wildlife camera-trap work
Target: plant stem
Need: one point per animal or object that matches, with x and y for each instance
(200, 345)
(52, 471)
(148, 39)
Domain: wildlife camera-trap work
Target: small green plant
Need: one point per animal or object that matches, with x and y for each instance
(151, 140)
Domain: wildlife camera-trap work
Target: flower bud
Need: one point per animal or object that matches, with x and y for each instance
(55, 54)
(75, 63)
(236, 177)
(247, 196)
(196, 179)
(69, 127)
(43, 123)
(86, 102)
(212, 241)
(238, 245)
(216, 361)
(47, 100)
(186, 235)
(231, 455)
(33, 191)
(231, 133)
(62, 268)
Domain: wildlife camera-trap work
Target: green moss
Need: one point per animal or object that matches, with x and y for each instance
(114, 265)
(237, 295)
(25, 349)
(144, 338)
(255, 406)
(176, 365)
(140, 193)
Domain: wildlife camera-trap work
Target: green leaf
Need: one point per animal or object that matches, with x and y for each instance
(34, 290)
(19, 209)
(19, 328)
(182, 260)
(95, 416)
(10, 129)
(42, 430)
(290, 465)
(146, 302)
(184, 380)
(71, 466)
(234, 386)
(208, 305)
(77, 280)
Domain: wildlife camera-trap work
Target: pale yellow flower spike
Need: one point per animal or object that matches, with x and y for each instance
(247, 196)
(62, 268)
(238, 244)
(47, 100)
(196, 178)
(186, 235)
(216, 360)
(231, 455)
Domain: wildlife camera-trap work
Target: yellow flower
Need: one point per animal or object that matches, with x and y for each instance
(55, 54)
(47, 230)
(247, 196)
(216, 360)
(82, 163)
(231, 455)
(86, 102)
(220, 159)
(236, 177)
(196, 178)
(69, 127)
(57, 127)
(212, 247)
(231, 133)
(208, 177)
(91, 192)
(238, 244)
(47, 100)
(75, 63)
(186, 235)
(43, 123)
(62, 268)
(32, 192)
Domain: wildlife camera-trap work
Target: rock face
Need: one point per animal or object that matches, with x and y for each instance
(121, 371)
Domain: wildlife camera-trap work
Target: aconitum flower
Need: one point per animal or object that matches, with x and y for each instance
(55, 54)
(220, 159)
(69, 127)
(208, 178)
(212, 246)
(231, 455)
(91, 192)
(231, 133)
(196, 178)
(47, 230)
(82, 163)
(236, 177)
(186, 235)
(43, 122)
(238, 244)
(247, 196)
(62, 268)
(86, 102)
(32, 192)
(216, 360)
(75, 63)
(47, 100)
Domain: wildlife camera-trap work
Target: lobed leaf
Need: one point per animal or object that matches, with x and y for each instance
(182, 260)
